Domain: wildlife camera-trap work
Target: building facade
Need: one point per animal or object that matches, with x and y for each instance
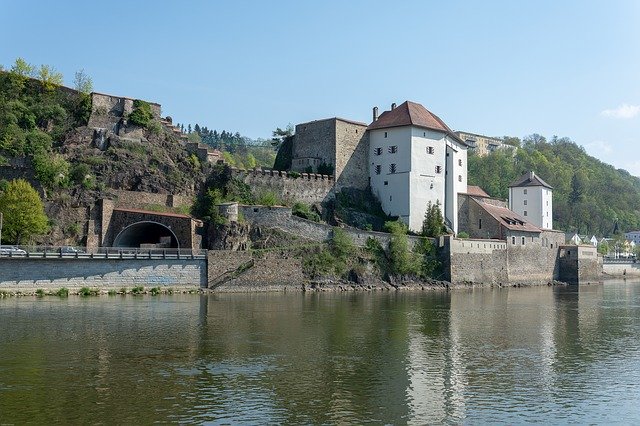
(414, 160)
(633, 236)
(479, 144)
(532, 198)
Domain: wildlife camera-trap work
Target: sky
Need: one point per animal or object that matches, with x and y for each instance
(565, 68)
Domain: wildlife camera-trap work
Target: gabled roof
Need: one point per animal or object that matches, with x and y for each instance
(508, 218)
(476, 191)
(412, 114)
(530, 179)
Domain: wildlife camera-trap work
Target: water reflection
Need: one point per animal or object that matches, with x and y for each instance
(509, 355)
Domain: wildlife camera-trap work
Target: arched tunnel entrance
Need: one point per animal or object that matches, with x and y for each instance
(148, 235)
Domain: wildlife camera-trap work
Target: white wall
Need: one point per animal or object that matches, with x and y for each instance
(539, 207)
(456, 178)
(394, 196)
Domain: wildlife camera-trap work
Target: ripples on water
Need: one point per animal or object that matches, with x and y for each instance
(513, 355)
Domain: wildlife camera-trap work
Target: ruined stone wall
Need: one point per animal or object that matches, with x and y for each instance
(108, 110)
(52, 274)
(352, 155)
(308, 188)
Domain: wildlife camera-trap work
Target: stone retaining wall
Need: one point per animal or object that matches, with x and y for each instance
(621, 269)
(52, 274)
(282, 219)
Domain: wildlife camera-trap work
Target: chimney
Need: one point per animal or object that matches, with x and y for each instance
(531, 175)
(375, 113)
(393, 106)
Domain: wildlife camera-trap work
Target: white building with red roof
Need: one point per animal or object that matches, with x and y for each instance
(414, 159)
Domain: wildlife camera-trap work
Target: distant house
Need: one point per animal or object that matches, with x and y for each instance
(633, 236)
(532, 198)
(573, 238)
(594, 241)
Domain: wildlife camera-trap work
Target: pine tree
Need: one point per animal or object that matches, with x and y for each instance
(433, 223)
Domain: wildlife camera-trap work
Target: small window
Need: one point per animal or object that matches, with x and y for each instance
(525, 202)
(438, 169)
(513, 240)
(547, 214)
(378, 169)
(393, 149)
(430, 150)
(525, 212)
(424, 134)
(392, 168)
(385, 134)
(459, 178)
(390, 197)
(479, 223)
(547, 202)
(459, 162)
(378, 151)
(525, 192)
(522, 240)
(386, 182)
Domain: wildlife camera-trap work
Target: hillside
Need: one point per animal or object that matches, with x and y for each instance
(589, 196)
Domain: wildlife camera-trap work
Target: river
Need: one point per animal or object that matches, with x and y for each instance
(541, 354)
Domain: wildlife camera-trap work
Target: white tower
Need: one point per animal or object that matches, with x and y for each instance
(532, 198)
(414, 159)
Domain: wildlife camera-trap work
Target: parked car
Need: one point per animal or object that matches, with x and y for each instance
(11, 251)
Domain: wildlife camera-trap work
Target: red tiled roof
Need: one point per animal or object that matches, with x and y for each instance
(508, 218)
(185, 216)
(412, 114)
(476, 191)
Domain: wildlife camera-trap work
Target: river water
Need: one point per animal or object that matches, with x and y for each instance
(512, 355)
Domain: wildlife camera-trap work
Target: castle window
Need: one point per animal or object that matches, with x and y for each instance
(392, 168)
(424, 134)
(459, 178)
(430, 150)
(385, 134)
(525, 202)
(513, 240)
(525, 192)
(522, 240)
(386, 182)
(393, 149)
(438, 169)
(378, 151)
(525, 212)
(459, 162)
(390, 197)
(479, 223)
(378, 169)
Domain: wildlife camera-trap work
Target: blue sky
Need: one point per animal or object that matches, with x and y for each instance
(569, 68)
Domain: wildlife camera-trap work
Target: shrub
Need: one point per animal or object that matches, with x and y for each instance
(268, 198)
(341, 245)
(304, 211)
(294, 175)
(63, 292)
(111, 292)
(325, 169)
(39, 292)
(155, 291)
(137, 290)
(79, 173)
(141, 114)
(463, 234)
(52, 170)
(84, 291)
(154, 127)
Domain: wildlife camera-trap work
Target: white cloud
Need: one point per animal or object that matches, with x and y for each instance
(624, 111)
(597, 148)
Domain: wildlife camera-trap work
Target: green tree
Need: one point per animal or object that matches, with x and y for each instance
(49, 77)
(23, 212)
(82, 82)
(23, 69)
(433, 223)
(402, 260)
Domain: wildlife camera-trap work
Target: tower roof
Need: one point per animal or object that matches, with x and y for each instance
(530, 179)
(412, 114)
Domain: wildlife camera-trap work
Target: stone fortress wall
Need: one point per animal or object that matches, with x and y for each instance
(307, 187)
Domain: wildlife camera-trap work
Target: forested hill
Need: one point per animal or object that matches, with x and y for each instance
(589, 196)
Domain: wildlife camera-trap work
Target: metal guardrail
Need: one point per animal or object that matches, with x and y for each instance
(99, 253)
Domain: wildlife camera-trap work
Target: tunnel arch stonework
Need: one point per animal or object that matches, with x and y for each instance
(139, 234)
